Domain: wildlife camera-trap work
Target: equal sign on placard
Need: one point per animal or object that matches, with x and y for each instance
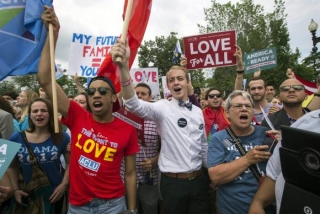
(96, 62)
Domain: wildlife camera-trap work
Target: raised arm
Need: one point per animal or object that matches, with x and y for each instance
(315, 102)
(240, 69)
(121, 49)
(78, 83)
(183, 62)
(44, 74)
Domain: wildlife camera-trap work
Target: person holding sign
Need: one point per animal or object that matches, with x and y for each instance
(256, 88)
(183, 140)
(99, 141)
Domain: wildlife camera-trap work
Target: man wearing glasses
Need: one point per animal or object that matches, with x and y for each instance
(228, 169)
(99, 142)
(215, 117)
(292, 94)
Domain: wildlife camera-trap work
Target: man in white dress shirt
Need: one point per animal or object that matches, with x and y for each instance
(183, 140)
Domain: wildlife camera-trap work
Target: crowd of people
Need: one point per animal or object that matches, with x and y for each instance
(203, 152)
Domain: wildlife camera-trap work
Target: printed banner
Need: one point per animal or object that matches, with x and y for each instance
(133, 120)
(87, 53)
(263, 59)
(210, 50)
(8, 151)
(148, 76)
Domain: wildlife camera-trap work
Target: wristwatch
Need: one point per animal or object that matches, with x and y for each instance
(317, 94)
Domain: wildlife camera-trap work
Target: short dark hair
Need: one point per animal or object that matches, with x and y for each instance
(197, 90)
(271, 84)
(257, 78)
(209, 90)
(5, 106)
(11, 94)
(106, 79)
(142, 84)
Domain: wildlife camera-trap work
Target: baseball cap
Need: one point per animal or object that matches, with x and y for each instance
(116, 105)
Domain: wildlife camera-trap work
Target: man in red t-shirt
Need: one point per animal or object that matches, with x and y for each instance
(99, 142)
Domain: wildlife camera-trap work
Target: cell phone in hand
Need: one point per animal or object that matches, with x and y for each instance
(271, 141)
(25, 201)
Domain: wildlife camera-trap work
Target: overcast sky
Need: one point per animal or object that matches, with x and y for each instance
(103, 18)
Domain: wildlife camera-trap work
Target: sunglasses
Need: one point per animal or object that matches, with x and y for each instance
(294, 87)
(211, 96)
(102, 90)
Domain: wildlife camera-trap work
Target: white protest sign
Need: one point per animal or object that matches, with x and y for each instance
(87, 53)
(166, 91)
(148, 76)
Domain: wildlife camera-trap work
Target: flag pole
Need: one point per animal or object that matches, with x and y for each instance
(53, 80)
(126, 24)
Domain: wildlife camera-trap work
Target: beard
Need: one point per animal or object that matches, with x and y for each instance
(258, 98)
(293, 104)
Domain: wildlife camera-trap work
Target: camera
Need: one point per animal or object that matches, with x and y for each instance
(300, 163)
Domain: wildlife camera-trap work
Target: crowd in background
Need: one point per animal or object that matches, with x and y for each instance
(203, 152)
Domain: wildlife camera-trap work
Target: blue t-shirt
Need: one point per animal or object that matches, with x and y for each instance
(235, 197)
(48, 155)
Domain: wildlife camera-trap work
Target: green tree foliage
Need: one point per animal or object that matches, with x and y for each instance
(256, 30)
(197, 78)
(159, 53)
(312, 62)
(68, 84)
(7, 86)
(30, 81)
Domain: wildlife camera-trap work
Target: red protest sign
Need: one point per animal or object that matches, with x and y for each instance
(133, 120)
(210, 50)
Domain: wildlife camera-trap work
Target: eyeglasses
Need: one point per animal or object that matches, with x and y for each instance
(239, 106)
(211, 96)
(102, 90)
(295, 87)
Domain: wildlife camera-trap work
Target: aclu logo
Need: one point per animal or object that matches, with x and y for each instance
(88, 163)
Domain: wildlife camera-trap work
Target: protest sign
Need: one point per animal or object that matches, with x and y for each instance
(8, 151)
(148, 76)
(210, 50)
(87, 53)
(263, 59)
(133, 120)
(166, 91)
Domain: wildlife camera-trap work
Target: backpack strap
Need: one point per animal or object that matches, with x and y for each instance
(242, 151)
